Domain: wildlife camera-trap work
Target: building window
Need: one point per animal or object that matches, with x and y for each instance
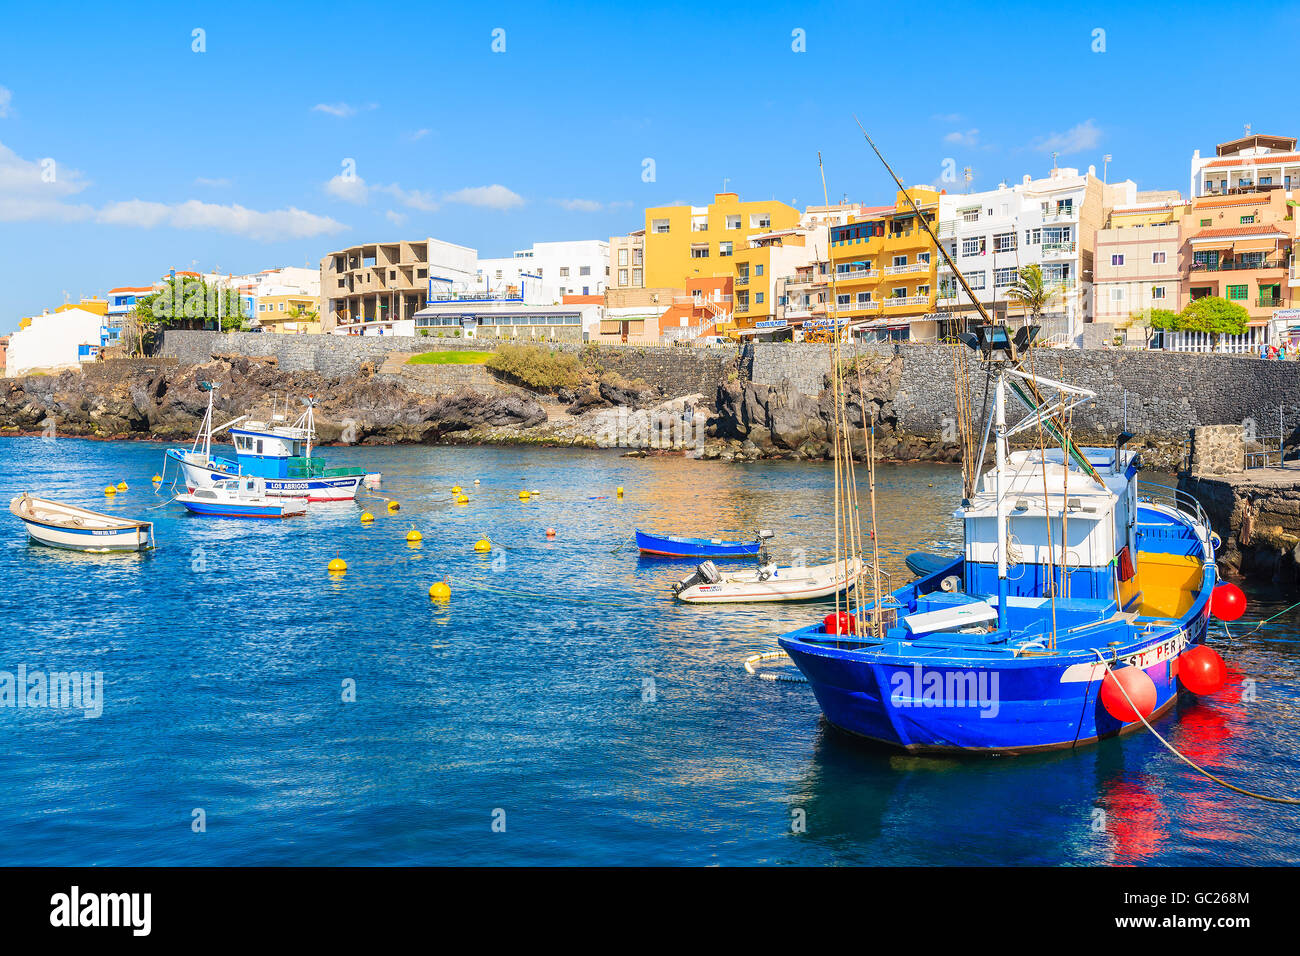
(622, 257)
(1005, 277)
(923, 258)
(1117, 295)
(969, 215)
(584, 270)
(622, 276)
(636, 277)
(1237, 291)
(758, 298)
(392, 273)
(1205, 222)
(973, 246)
(636, 257)
(760, 220)
(659, 225)
(864, 298)
(700, 250)
(974, 279)
(1004, 242)
(1158, 258)
(733, 222)
(1157, 292)
(724, 248)
(564, 272)
(842, 298)
(900, 260)
(1247, 220)
(1117, 259)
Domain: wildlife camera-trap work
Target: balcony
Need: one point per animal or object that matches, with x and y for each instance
(902, 300)
(906, 268)
(1056, 250)
(849, 275)
(807, 279)
(1066, 214)
(1234, 266)
(1268, 302)
(798, 312)
(742, 280)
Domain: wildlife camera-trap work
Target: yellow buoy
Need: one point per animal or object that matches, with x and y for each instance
(439, 591)
(414, 535)
(620, 491)
(393, 506)
(157, 479)
(482, 544)
(122, 486)
(337, 566)
(523, 496)
(367, 517)
(462, 499)
(455, 489)
(110, 490)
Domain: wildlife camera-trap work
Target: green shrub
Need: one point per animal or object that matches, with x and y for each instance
(537, 367)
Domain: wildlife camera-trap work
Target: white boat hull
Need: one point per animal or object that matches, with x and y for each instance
(782, 584)
(340, 488)
(79, 529)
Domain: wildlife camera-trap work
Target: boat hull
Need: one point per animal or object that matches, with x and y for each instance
(93, 541)
(670, 547)
(802, 584)
(1017, 705)
(230, 509)
(337, 488)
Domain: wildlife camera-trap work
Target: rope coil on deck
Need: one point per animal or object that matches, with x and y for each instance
(1187, 760)
(755, 659)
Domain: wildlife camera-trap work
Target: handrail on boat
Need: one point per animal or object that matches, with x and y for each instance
(1153, 492)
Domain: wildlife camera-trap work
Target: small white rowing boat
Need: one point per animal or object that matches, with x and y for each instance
(768, 583)
(80, 529)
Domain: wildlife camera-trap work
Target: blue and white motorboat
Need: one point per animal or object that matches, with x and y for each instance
(1072, 574)
(276, 450)
(60, 525)
(244, 496)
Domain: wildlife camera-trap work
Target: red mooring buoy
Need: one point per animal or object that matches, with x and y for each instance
(1201, 669)
(1227, 602)
(1141, 690)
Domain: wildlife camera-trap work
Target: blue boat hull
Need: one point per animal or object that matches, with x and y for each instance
(670, 547)
(336, 488)
(235, 510)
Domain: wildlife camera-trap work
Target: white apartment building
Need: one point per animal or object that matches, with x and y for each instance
(1051, 222)
(53, 341)
(578, 267)
(1249, 164)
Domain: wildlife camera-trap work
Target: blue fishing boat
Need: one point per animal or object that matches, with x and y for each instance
(672, 547)
(241, 497)
(1079, 594)
(276, 450)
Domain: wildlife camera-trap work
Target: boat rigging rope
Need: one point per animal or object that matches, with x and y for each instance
(1259, 624)
(765, 656)
(1173, 750)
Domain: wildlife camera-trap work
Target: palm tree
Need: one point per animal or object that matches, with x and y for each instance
(298, 313)
(1033, 292)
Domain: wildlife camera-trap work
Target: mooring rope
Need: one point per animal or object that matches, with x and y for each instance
(1173, 750)
(771, 656)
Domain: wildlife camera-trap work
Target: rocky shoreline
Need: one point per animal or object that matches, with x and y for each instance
(743, 421)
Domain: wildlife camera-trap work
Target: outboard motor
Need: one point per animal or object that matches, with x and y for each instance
(706, 573)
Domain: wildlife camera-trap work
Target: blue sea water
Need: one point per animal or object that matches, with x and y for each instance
(560, 691)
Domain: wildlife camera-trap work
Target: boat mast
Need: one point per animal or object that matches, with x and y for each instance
(1000, 452)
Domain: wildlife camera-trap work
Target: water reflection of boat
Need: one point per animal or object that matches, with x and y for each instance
(60, 525)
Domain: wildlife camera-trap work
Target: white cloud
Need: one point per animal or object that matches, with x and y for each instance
(1078, 138)
(418, 134)
(216, 183)
(495, 196)
(396, 218)
(351, 189)
(343, 110)
(33, 191)
(413, 198)
(291, 223)
(580, 205)
(6, 99)
(967, 138)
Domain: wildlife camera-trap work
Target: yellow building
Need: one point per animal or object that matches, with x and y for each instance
(92, 305)
(714, 241)
(292, 313)
(884, 266)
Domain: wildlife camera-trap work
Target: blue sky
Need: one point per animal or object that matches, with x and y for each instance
(164, 157)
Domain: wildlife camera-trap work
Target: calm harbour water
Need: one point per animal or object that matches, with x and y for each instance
(225, 652)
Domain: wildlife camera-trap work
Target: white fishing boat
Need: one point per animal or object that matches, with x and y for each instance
(768, 583)
(242, 497)
(61, 525)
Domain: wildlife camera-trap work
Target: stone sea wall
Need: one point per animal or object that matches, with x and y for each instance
(1166, 394)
